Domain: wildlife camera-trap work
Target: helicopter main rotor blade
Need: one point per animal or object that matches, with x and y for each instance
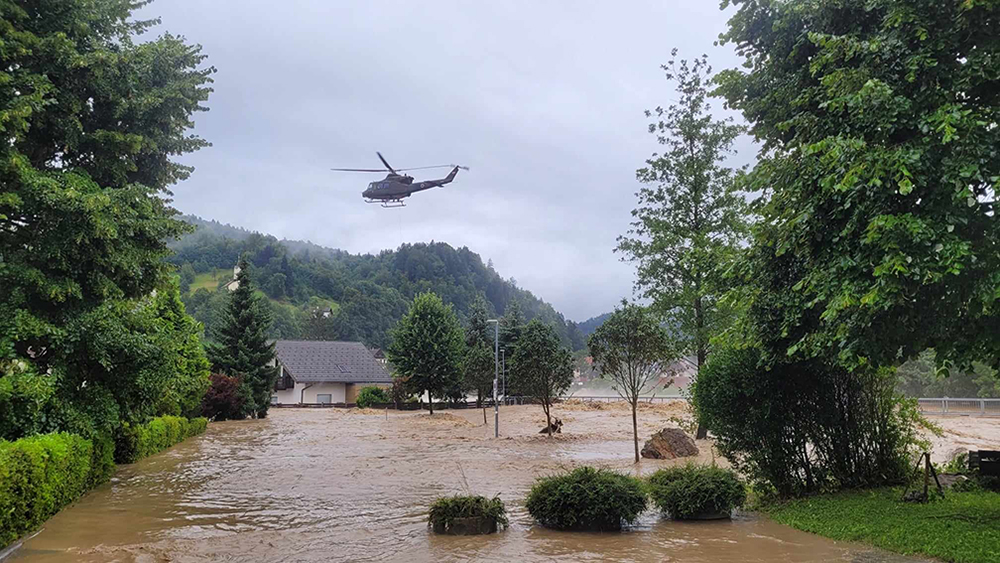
(357, 170)
(380, 157)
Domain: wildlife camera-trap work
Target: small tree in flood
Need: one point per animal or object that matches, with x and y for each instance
(428, 347)
(540, 367)
(631, 348)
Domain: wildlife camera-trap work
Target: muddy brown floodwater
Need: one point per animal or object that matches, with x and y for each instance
(336, 485)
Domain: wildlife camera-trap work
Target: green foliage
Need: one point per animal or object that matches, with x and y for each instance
(631, 348)
(26, 401)
(137, 441)
(796, 428)
(91, 121)
(920, 377)
(242, 348)
(540, 368)
(427, 348)
(41, 474)
(479, 370)
(689, 221)
(586, 499)
(374, 291)
(692, 490)
(960, 527)
(446, 509)
(879, 170)
(185, 389)
(371, 395)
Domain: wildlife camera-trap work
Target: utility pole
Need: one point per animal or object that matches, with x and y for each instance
(496, 376)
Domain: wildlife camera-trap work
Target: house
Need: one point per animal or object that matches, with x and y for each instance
(324, 372)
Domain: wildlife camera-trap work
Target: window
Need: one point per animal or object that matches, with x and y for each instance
(324, 398)
(274, 399)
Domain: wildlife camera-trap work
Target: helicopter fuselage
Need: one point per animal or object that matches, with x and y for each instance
(395, 187)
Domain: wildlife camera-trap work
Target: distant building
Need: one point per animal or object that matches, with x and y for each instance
(233, 284)
(324, 372)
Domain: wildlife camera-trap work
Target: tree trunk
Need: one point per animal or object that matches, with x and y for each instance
(430, 402)
(548, 419)
(635, 430)
(699, 324)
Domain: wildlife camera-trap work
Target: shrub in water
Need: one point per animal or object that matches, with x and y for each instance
(41, 474)
(696, 491)
(371, 395)
(586, 499)
(446, 510)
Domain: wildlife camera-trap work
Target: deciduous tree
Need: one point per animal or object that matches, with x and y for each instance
(879, 124)
(633, 350)
(540, 367)
(689, 222)
(428, 347)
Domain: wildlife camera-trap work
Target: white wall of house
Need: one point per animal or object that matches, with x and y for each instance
(309, 393)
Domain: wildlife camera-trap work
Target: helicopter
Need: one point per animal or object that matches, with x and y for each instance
(391, 190)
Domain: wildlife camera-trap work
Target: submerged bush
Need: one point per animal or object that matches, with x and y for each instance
(802, 427)
(446, 509)
(586, 499)
(41, 474)
(694, 491)
(137, 441)
(223, 401)
(371, 395)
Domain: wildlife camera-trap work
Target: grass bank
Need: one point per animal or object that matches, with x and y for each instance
(961, 527)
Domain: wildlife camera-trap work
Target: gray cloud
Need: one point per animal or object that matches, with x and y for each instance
(543, 100)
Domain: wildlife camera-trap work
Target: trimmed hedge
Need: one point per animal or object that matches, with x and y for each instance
(695, 491)
(41, 474)
(370, 396)
(587, 499)
(142, 440)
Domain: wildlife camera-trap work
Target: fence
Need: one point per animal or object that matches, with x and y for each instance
(617, 399)
(960, 407)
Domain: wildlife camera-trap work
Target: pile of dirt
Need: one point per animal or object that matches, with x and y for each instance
(669, 443)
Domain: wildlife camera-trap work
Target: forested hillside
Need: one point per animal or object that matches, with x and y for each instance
(322, 293)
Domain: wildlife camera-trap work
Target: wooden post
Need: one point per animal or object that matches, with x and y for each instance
(927, 473)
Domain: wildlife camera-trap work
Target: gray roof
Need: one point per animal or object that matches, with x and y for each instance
(316, 361)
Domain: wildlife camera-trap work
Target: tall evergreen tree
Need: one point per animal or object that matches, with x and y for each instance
(479, 365)
(689, 222)
(512, 325)
(428, 347)
(241, 347)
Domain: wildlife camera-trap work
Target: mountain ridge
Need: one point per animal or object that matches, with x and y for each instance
(361, 295)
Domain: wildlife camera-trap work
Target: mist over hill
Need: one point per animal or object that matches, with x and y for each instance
(316, 292)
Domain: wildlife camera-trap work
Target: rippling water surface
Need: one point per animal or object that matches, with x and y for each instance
(326, 485)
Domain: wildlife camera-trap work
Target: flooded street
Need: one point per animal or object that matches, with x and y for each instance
(336, 485)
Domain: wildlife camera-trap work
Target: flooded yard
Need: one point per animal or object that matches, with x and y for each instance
(335, 485)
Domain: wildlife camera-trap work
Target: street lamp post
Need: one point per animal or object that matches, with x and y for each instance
(496, 376)
(503, 373)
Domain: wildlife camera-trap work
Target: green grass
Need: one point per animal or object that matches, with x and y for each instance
(961, 527)
(210, 280)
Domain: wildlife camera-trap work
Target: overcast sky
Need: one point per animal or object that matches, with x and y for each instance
(542, 100)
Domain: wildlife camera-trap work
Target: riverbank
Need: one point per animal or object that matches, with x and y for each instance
(960, 528)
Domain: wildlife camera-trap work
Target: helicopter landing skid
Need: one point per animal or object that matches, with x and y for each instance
(387, 204)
